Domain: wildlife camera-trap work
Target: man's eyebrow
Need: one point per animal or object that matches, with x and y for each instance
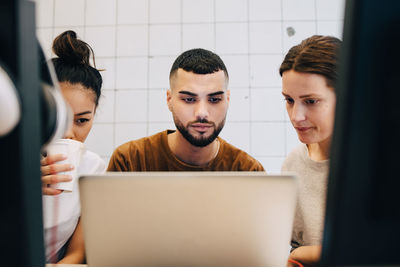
(83, 113)
(187, 93)
(216, 93)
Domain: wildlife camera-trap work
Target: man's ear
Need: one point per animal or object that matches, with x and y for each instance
(169, 99)
(228, 95)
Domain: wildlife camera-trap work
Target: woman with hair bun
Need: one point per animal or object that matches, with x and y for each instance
(309, 74)
(80, 84)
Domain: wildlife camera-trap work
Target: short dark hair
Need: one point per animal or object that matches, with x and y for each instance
(317, 54)
(72, 63)
(199, 61)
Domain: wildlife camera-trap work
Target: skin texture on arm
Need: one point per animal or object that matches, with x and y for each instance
(307, 255)
(76, 248)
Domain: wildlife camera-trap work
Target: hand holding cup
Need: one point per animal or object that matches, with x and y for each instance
(52, 173)
(59, 167)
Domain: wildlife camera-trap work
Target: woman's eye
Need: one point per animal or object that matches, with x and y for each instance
(311, 101)
(289, 100)
(215, 99)
(81, 120)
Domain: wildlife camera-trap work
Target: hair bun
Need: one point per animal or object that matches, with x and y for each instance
(70, 49)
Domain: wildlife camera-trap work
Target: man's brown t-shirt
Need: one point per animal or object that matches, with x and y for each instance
(153, 154)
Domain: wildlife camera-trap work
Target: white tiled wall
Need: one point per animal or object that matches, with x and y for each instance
(136, 42)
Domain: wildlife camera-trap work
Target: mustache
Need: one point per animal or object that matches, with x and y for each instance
(202, 121)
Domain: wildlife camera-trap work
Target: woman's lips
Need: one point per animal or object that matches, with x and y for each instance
(303, 129)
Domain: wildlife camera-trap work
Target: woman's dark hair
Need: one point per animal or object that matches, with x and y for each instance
(199, 61)
(317, 54)
(73, 63)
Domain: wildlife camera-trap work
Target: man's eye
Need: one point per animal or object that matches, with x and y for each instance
(215, 99)
(189, 99)
(289, 100)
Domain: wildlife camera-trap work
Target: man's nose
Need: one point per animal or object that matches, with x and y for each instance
(201, 111)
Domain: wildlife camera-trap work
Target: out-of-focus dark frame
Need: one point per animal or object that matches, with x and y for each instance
(21, 227)
(362, 224)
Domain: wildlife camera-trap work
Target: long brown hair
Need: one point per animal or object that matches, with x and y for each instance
(317, 54)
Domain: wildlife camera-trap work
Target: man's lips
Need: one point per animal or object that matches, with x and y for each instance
(201, 126)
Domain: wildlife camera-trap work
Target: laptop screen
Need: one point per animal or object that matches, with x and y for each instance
(187, 218)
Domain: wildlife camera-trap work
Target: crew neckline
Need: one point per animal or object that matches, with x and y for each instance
(187, 165)
(308, 159)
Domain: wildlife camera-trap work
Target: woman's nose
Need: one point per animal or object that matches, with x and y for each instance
(69, 134)
(297, 113)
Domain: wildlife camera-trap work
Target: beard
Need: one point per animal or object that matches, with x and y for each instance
(201, 141)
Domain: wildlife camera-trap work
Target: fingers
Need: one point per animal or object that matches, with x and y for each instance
(50, 170)
(306, 254)
(55, 168)
(51, 191)
(49, 166)
(55, 179)
(51, 159)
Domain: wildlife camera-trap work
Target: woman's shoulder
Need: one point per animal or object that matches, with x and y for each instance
(299, 151)
(91, 156)
(294, 157)
(91, 163)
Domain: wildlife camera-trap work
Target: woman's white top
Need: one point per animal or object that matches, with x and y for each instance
(312, 177)
(61, 212)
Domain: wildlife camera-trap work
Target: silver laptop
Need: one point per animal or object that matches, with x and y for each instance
(187, 218)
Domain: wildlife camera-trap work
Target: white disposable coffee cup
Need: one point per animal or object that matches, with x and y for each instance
(73, 150)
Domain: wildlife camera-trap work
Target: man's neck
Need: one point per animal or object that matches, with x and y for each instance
(189, 153)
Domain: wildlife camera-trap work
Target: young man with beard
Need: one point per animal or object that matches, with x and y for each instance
(198, 100)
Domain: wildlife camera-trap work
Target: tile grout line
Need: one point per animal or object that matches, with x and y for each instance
(148, 69)
(190, 23)
(181, 25)
(114, 124)
(283, 48)
(249, 77)
(316, 18)
(84, 18)
(215, 25)
(53, 27)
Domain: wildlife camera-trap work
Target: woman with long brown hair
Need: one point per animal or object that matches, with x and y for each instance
(309, 73)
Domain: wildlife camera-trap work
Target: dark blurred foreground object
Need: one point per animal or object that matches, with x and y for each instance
(362, 225)
(43, 117)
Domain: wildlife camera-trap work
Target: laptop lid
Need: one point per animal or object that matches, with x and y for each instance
(187, 218)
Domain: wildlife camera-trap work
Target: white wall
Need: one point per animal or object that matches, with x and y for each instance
(136, 42)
